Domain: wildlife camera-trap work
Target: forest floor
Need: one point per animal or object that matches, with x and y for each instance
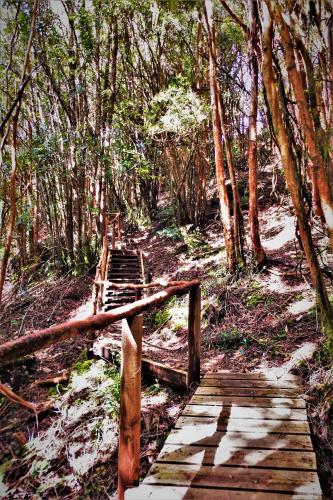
(251, 321)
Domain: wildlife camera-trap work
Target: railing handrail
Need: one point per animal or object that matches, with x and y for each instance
(113, 219)
(38, 340)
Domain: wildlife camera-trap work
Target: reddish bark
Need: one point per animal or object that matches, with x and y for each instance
(35, 341)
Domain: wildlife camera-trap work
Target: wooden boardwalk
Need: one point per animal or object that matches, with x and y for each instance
(242, 436)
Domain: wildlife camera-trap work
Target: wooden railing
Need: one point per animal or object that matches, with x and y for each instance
(100, 277)
(113, 228)
(131, 361)
(112, 225)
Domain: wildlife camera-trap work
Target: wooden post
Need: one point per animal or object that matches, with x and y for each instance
(113, 235)
(130, 405)
(119, 228)
(194, 333)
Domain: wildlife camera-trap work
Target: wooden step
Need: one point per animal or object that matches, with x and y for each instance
(126, 280)
(163, 492)
(114, 272)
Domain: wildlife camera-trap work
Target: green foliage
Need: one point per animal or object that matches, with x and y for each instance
(194, 239)
(83, 366)
(228, 340)
(164, 213)
(56, 391)
(112, 392)
(256, 298)
(173, 232)
(155, 388)
(161, 317)
(177, 110)
(85, 28)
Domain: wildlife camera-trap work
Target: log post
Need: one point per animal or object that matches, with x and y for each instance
(130, 405)
(113, 235)
(194, 333)
(119, 228)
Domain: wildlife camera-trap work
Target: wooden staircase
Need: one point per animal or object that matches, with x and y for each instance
(124, 267)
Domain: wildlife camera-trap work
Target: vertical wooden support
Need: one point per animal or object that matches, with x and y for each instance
(194, 334)
(113, 235)
(130, 405)
(119, 228)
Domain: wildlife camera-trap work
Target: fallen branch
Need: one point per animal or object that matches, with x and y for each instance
(60, 378)
(35, 341)
(14, 398)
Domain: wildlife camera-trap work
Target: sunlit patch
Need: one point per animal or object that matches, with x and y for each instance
(254, 457)
(83, 310)
(157, 399)
(223, 454)
(282, 226)
(301, 354)
(83, 462)
(198, 457)
(277, 284)
(301, 306)
(197, 432)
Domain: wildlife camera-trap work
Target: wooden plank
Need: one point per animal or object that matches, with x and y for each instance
(156, 492)
(244, 425)
(194, 335)
(130, 404)
(167, 375)
(245, 412)
(246, 391)
(246, 457)
(234, 477)
(267, 375)
(207, 435)
(218, 382)
(262, 402)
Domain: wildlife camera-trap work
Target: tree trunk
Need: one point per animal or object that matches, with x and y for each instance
(293, 180)
(258, 252)
(217, 134)
(305, 118)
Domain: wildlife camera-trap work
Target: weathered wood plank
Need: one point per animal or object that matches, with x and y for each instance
(156, 492)
(207, 435)
(269, 375)
(263, 402)
(166, 374)
(234, 477)
(260, 383)
(245, 412)
(246, 457)
(239, 391)
(244, 425)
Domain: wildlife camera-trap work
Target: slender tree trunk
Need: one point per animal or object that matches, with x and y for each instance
(237, 211)
(217, 134)
(258, 251)
(293, 178)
